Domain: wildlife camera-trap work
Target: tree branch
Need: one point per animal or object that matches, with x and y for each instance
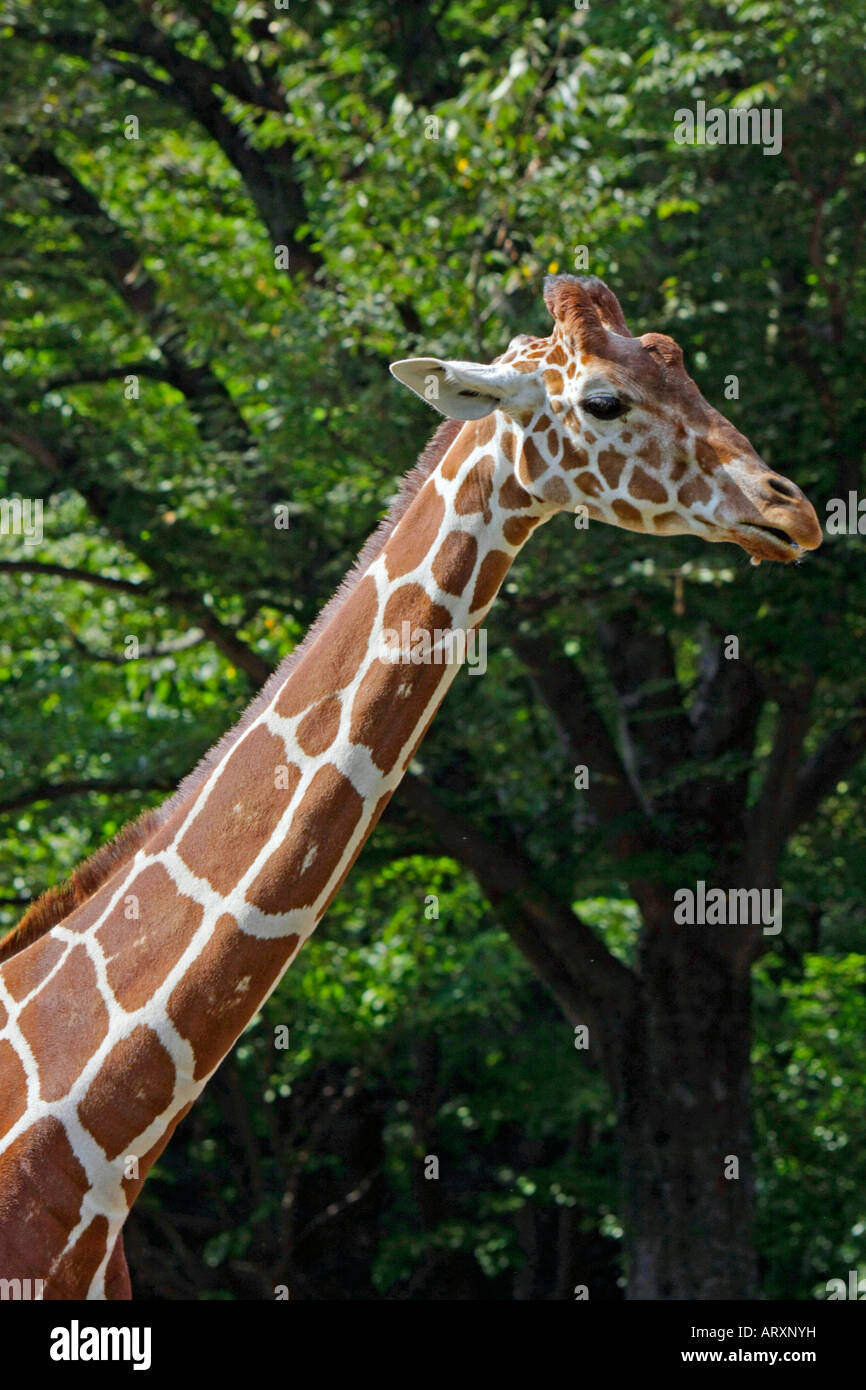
(589, 983)
(724, 716)
(770, 819)
(56, 791)
(565, 691)
(193, 638)
(89, 375)
(245, 658)
(122, 262)
(270, 176)
(65, 466)
(147, 41)
(655, 730)
(832, 760)
(104, 581)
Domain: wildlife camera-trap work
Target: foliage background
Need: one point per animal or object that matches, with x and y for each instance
(310, 128)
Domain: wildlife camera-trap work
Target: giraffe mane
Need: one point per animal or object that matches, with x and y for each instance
(56, 904)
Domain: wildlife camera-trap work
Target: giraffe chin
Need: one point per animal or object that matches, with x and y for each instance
(761, 544)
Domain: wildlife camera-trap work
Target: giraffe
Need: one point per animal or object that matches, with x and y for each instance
(122, 991)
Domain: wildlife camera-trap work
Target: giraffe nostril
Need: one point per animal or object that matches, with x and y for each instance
(783, 488)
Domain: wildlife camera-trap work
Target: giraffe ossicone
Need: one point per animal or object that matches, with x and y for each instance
(112, 1020)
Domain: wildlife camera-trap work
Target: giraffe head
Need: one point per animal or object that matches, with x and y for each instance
(615, 424)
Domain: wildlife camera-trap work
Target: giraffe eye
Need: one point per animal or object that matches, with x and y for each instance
(604, 407)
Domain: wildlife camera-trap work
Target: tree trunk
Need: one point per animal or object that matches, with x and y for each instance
(685, 1118)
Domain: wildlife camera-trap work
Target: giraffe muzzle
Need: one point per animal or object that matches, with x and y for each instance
(778, 522)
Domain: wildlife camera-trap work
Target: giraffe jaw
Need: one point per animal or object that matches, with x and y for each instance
(768, 543)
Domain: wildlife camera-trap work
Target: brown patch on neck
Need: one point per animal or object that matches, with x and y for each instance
(32, 1247)
(474, 492)
(214, 1001)
(13, 1097)
(68, 1009)
(454, 561)
(114, 1112)
(532, 464)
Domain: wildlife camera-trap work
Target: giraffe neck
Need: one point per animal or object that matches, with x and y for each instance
(116, 1018)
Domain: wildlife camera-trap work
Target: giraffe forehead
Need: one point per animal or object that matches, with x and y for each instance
(629, 368)
(662, 391)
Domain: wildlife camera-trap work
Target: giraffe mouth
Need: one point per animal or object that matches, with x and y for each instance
(768, 542)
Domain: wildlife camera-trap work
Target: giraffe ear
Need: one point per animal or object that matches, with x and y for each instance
(461, 390)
